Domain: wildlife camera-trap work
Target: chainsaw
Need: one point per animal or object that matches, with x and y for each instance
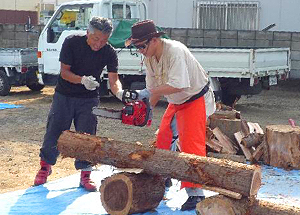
(135, 113)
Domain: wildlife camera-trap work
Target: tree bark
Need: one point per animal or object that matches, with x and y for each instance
(182, 166)
(283, 145)
(127, 193)
(221, 205)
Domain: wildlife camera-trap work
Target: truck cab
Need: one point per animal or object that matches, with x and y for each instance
(73, 18)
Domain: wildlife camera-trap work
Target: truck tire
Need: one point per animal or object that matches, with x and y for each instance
(35, 87)
(4, 84)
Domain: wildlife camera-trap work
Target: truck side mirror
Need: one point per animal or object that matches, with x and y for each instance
(50, 35)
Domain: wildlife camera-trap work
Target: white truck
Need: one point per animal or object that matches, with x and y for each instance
(233, 71)
(18, 67)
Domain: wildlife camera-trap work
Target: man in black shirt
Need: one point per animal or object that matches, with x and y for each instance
(82, 61)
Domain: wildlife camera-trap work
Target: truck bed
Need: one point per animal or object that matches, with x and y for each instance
(243, 62)
(14, 57)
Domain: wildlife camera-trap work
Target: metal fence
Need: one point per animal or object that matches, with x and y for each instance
(226, 15)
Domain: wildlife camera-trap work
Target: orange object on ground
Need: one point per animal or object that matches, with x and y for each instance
(191, 119)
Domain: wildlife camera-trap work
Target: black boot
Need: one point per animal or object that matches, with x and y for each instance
(191, 203)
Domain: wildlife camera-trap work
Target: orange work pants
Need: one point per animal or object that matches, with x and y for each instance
(191, 119)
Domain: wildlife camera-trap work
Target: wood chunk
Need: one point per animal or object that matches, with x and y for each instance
(245, 128)
(252, 139)
(239, 136)
(228, 146)
(255, 128)
(214, 144)
(258, 153)
(221, 205)
(128, 193)
(225, 114)
(182, 166)
(283, 143)
(227, 126)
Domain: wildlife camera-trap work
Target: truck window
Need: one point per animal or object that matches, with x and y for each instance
(71, 17)
(117, 11)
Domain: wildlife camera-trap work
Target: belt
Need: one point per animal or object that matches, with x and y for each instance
(198, 95)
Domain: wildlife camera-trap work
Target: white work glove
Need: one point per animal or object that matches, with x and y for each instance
(89, 82)
(143, 94)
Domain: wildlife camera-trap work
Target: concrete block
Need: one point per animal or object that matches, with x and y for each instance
(20, 43)
(211, 42)
(181, 39)
(32, 36)
(7, 35)
(296, 36)
(9, 43)
(167, 31)
(21, 35)
(215, 34)
(295, 55)
(195, 42)
(179, 32)
(295, 64)
(8, 27)
(19, 27)
(282, 35)
(195, 33)
(281, 44)
(295, 46)
(263, 43)
(264, 35)
(246, 43)
(229, 42)
(229, 34)
(246, 35)
(32, 43)
(294, 74)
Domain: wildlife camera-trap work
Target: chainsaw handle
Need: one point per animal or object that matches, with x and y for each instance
(148, 118)
(129, 96)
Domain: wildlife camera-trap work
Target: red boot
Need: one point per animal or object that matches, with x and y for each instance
(86, 182)
(43, 173)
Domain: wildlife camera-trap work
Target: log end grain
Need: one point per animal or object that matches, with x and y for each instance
(127, 193)
(256, 181)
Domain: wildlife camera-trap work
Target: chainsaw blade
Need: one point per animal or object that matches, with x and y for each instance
(107, 113)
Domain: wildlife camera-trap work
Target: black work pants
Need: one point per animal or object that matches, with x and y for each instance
(63, 111)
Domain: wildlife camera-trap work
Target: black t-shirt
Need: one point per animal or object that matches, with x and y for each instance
(84, 61)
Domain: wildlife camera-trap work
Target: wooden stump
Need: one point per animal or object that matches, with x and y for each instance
(221, 205)
(127, 193)
(283, 146)
(211, 172)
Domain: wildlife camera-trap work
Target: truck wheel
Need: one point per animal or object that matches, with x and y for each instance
(4, 84)
(35, 87)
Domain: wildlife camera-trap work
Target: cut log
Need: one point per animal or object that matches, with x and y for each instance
(225, 114)
(127, 193)
(226, 143)
(252, 139)
(255, 128)
(236, 158)
(185, 167)
(221, 205)
(283, 143)
(214, 144)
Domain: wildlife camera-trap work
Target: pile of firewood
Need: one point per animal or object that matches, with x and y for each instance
(229, 136)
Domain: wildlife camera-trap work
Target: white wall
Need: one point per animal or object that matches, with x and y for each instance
(19, 5)
(178, 13)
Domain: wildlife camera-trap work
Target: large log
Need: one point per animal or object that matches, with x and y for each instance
(221, 205)
(283, 145)
(127, 193)
(186, 167)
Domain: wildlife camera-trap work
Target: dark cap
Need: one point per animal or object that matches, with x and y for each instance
(142, 31)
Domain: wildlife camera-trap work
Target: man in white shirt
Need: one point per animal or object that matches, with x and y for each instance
(173, 72)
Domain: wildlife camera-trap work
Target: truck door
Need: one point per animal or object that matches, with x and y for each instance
(67, 20)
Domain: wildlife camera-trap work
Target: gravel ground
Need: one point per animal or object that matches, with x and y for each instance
(22, 129)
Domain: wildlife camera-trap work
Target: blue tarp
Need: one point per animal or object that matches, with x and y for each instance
(63, 196)
(8, 106)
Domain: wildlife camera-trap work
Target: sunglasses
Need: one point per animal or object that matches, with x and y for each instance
(142, 46)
